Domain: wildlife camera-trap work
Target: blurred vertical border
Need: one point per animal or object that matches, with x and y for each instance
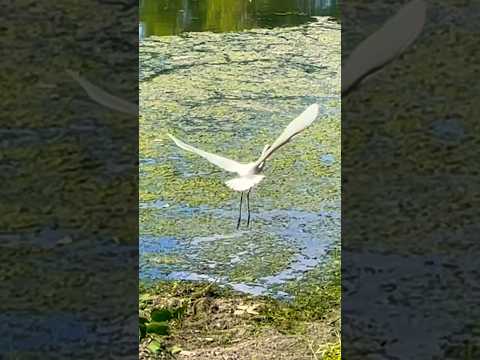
(410, 135)
(69, 176)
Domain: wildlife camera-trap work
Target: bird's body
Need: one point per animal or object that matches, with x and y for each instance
(244, 183)
(250, 174)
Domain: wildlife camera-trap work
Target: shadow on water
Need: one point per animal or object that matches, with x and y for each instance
(172, 17)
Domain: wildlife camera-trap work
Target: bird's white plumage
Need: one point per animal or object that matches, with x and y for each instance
(104, 98)
(385, 44)
(299, 124)
(220, 161)
(249, 173)
(245, 182)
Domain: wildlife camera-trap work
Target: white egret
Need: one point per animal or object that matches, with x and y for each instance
(104, 98)
(383, 46)
(249, 174)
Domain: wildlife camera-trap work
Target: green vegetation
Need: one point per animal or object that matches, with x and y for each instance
(185, 318)
(315, 295)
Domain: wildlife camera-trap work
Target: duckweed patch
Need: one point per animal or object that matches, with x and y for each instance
(314, 296)
(246, 260)
(190, 220)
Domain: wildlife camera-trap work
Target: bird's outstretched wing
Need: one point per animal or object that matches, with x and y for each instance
(295, 127)
(224, 163)
(104, 98)
(385, 44)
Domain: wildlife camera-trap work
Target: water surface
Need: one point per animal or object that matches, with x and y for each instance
(170, 17)
(231, 93)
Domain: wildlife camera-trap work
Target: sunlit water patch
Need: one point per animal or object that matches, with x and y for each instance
(281, 246)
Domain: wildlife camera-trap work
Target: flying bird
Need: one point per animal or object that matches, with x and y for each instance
(383, 46)
(102, 97)
(250, 174)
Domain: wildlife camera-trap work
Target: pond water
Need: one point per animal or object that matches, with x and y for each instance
(170, 17)
(231, 93)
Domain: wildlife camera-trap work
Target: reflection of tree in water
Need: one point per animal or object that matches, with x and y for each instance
(167, 17)
(310, 7)
(225, 15)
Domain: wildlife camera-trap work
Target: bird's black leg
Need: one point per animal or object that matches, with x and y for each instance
(248, 207)
(240, 212)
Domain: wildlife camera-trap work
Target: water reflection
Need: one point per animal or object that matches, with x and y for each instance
(170, 17)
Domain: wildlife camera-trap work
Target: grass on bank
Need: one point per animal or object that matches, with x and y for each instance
(180, 319)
